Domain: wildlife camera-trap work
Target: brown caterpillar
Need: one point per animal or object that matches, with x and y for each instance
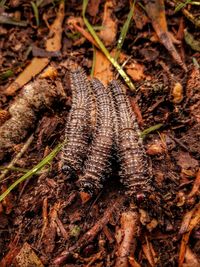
(35, 97)
(98, 161)
(133, 160)
(78, 123)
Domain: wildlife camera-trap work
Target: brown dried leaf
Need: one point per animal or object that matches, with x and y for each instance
(185, 161)
(109, 31)
(102, 68)
(156, 12)
(196, 185)
(27, 257)
(135, 71)
(140, 17)
(191, 259)
(195, 219)
(50, 72)
(38, 64)
(149, 253)
(93, 7)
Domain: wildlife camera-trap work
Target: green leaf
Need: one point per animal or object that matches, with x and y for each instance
(151, 129)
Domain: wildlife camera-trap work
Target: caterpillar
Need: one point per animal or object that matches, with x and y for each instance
(35, 97)
(98, 161)
(133, 160)
(78, 124)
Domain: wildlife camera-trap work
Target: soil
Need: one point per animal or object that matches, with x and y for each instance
(45, 212)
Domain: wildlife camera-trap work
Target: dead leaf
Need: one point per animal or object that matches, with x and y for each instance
(38, 64)
(133, 262)
(135, 71)
(27, 257)
(149, 253)
(102, 68)
(50, 72)
(156, 148)
(196, 185)
(191, 259)
(140, 17)
(156, 12)
(194, 220)
(185, 161)
(93, 7)
(109, 31)
(77, 23)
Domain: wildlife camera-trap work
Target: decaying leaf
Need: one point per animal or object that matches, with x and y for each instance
(38, 64)
(102, 68)
(135, 71)
(156, 12)
(109, 31)
(193, 219)
(27, 257)
(189, 39)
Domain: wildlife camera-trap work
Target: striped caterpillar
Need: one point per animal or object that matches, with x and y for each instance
(134, 164)
(35, 97)
(98, 161)
(78, 123)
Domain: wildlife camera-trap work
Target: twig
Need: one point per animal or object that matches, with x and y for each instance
(90, 234)
(17, 157)
(129, 227)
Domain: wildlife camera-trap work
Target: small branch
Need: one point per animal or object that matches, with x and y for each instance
(129, 228)
(17, 157)
(89, 236)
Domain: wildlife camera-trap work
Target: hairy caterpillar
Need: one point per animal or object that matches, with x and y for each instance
(133, 160)
(35, 97)
(78, 123)
(98, 161)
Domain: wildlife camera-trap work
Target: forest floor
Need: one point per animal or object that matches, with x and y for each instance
(42, 221)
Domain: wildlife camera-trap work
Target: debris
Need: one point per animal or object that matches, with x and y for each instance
(177, 93)
(90, 234)
(129, 228)
(35, 97)
(38, 64)
(109, 31)
(27, 257)
(194, 217)
(189, 39)
(156, 12)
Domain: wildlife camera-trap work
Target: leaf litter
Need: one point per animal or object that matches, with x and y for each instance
(46, 211)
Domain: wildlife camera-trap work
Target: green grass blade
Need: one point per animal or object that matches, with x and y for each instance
(36, 13)
(151, 129)
(104, 50)
(124, 31)
(34, 170)
(181, 5)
